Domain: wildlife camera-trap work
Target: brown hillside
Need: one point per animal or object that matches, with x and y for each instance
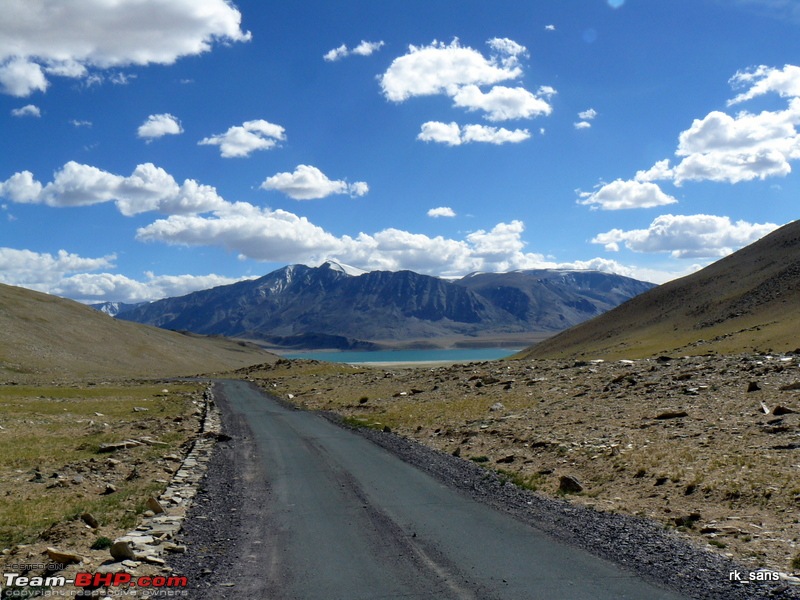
(46, 337)
(748, 301)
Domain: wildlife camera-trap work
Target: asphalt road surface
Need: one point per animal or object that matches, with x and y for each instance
(342, 518)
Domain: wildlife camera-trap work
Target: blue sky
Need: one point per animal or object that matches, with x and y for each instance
(156, 147)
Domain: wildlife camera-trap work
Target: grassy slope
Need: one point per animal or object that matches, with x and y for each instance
(43, 336)
(746, 301)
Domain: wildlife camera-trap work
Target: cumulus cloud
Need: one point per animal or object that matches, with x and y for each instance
(242, 140)
(148, 188)
(721, 147)
(68, 39)
(585, 116)
(462, 73)
(29, 269)
(70, 275)
(687, 236)
(309, 183)
(744, 146)
(29, 110)
(441, 211)
(21, 77)
(157, 126)
(363, 49)
(620, 194)
(763, 80)
(453, 134)
(114, 287)
(503, 103)
(280, 236)
(443, 68)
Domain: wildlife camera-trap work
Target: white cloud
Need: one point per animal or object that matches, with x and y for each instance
(460, 73)
(241, 141)
(687, 236)
(21, 77)
(336, 53)
(586, 116)
(550, 27)
(70, 275)
(502, 103)
(444, 133)
(29, 110)
(65, 39)
(363, 49)
(443, 68)
(29, 269)
(77, 123)
(157, 126)
(749, 146)
(309, 183)
(493, 135)
(280, 236)
(441, 211)
(742, 147)
(114, 287)
(620, 194)
(453, 135)
(149, 188)
(763, 79)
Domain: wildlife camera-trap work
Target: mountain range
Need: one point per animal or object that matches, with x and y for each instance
(748, 301)
(335, 306)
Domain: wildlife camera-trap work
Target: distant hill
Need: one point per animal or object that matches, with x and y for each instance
(748, 301)
(43, 337)
(332, 306)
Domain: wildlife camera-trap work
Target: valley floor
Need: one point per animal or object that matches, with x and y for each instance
(708, 445)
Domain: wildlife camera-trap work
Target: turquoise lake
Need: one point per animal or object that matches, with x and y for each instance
(457, 354)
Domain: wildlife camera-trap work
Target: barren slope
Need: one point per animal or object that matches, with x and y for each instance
(748, 301)
(43, 336)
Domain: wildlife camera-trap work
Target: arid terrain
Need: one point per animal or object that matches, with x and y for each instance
(705, 445)
(63, 460)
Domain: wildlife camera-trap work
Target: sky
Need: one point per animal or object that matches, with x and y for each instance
(151, 148)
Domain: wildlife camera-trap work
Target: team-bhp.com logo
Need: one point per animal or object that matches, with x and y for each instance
(15, 585)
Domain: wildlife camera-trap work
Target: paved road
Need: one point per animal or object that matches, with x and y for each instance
(345, 519)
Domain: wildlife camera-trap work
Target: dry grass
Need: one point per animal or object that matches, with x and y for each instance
(51, 470)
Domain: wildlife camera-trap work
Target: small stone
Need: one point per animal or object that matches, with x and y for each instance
(672, 414)
(110, 489)
(64, 558)
(154, 505)
(496, 407)
(753, 387)
(569, 485)
(121, 550)
(90, 520)
(779, 411)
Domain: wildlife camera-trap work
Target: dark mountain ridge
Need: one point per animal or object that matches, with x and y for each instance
(299, 305)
